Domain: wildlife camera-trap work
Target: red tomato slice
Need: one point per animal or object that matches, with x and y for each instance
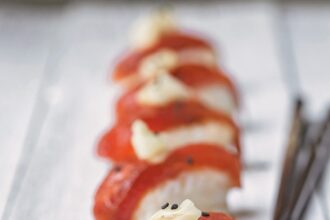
(116, 144)
(197, 76)
(175, 41)
(192, 75)
(122, 190)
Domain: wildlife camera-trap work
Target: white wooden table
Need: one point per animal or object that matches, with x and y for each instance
(55, 100)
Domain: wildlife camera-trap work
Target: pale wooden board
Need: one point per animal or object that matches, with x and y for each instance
(310, 31)
(24, 50)
(310, 28)
(62, 172)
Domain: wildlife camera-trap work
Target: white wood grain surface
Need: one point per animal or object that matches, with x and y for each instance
(55, 100)
(24, 42)
(310, 31)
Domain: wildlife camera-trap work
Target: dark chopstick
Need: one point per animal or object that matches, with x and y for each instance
(312, 174)
(298, 125)
(307, 149)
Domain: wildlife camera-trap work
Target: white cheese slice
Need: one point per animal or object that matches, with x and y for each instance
(148, 30)
(162, 90)
(196, 55)
(146, 144)
(208, 189)
(185, 211)
(218, 98)
(154, 147)
(167, 59)
(162, 60)
(210, 132)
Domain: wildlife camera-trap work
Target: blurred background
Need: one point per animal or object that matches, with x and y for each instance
(56, 99)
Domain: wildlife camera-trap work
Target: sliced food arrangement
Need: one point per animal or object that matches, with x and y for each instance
(176, 137)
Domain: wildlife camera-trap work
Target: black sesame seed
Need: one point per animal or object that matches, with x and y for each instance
(205, 214)
(165, 205)
(174, 206)
(190, 161)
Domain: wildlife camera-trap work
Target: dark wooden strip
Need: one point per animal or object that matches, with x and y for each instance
(310, 179)
(288, 168)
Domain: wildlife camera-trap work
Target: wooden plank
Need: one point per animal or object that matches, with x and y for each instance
(24, 43)
(311, 36)
(63, 172)
(310, 31)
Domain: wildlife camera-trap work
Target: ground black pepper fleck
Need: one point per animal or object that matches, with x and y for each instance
(178, 105)
(190, 161)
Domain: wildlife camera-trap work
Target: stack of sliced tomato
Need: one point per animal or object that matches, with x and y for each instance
(131, 177)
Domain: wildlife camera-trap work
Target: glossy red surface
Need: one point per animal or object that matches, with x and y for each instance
(192, 75)
(116, 143)
(198, 76)
(174, 40)
(120, 193)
